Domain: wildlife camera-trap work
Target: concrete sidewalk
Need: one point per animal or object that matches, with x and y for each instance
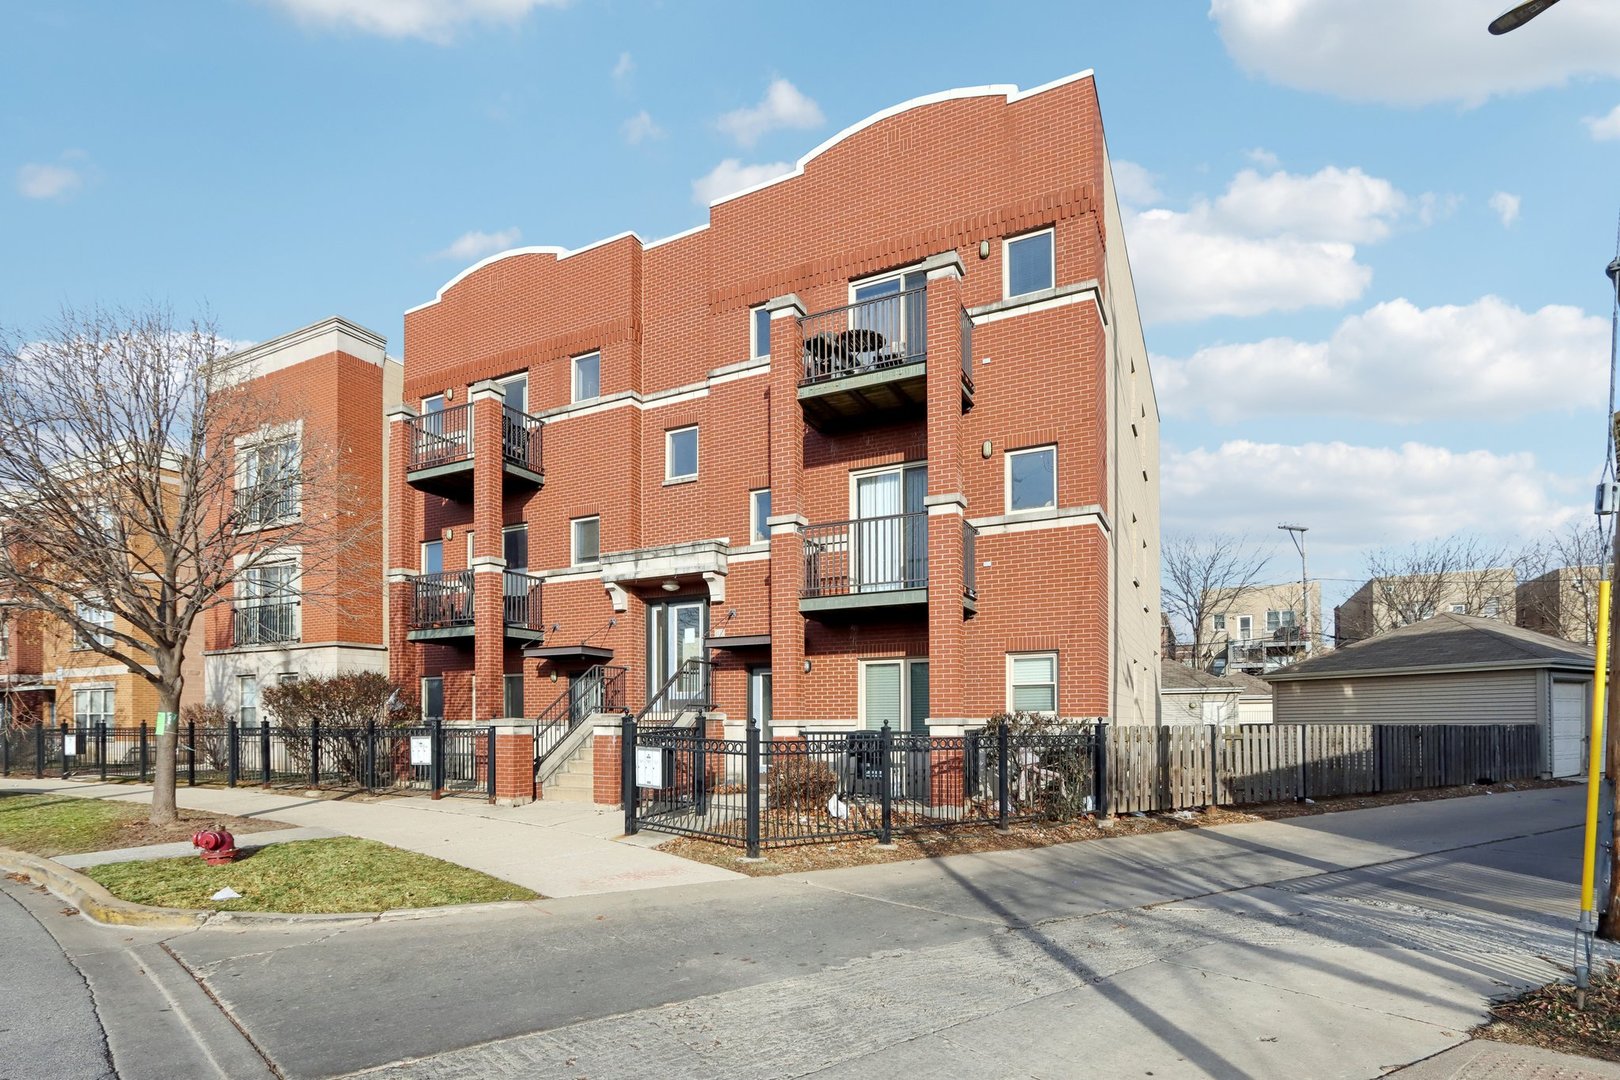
(1484, 1060)
(556, 849)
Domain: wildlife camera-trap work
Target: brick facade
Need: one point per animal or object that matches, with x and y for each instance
(936, 186)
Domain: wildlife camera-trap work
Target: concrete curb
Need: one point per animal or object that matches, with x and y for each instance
(100, 906)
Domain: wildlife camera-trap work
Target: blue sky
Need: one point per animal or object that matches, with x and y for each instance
(1369, 238)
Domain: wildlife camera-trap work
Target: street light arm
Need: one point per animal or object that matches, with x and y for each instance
(1519, 14)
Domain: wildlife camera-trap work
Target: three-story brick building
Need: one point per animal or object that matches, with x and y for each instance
(878, 441)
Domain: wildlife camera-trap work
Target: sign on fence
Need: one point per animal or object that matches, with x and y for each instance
(421, 750)
(650, 766)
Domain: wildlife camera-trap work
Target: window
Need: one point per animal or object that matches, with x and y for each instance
(1032, 682)
(1245, 627)
(433, 404)
(587, 376)
(269, 481)
(1459, 609)
(515, 548)
(93, 707)
(433, 698)
(267, 605)
(433, 557)
(91, 615)
(512, 695)
(759, 332)
(247, 697)
(1029, 263)
(1220, 622)
(1032, 479)
(681, 454)
(894, 309)
(894, 692)
(759, 508)
(585, 540)
(516, 389)
(5, 636)
(287, 678)
(1276, 620)
(1492, 608)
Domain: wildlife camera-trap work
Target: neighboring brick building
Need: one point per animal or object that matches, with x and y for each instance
(1562, 603)
(1388, 603)
(314, 612)
(1264, 628)
(879, 440)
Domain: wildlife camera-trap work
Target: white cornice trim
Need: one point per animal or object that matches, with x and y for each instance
(1066, 517)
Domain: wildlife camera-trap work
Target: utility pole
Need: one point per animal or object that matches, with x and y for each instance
(1609, 924)
(1296, 533)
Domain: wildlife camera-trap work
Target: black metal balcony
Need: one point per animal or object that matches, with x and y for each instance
(441, 451)
(265, 505)
(874, 562)
(866, 359)
(442, 607)
(264, 623)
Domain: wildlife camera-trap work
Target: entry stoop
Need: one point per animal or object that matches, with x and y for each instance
(574, 781)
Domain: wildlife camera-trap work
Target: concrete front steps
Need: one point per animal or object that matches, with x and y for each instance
(574, 781)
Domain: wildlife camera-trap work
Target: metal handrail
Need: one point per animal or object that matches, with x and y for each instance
(872, 554)
(883, 332)
(441, 437)
(520, 600)
(444, 599)
(689, 687)
(264, 623)
(600, 689)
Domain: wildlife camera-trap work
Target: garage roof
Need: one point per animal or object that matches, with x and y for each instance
(1445, 642)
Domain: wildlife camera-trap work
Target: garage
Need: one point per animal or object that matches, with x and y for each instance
(1568, 727)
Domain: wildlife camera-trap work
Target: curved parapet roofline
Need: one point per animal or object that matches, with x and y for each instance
(1006, 90)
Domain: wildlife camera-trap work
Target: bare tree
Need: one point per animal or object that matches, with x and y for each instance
(137, 483)
(1463, 572)
(1559, 575)
(1204, 577)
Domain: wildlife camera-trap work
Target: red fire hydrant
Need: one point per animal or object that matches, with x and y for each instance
(218, 846)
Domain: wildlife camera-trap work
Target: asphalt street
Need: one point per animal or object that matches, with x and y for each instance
(48, 1024)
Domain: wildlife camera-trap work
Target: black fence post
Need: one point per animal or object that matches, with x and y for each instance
(751, 801)
(101, 748)
(39, 750)
(886, 787)
(436, 758)
(5, 748)
(371, 755)
(141, 756)
(314, 753)
(1003, 749)
(233, 753)
(264, 752)
(64, 735)
(627, 771)
(1100, 773)
(489, 765)
(191, 753)
(700, 768)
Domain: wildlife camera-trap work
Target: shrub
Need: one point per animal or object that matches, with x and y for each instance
(1050, 766)
(800, 782)
(343, 704)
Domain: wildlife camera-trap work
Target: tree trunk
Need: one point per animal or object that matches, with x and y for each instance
(163, 775)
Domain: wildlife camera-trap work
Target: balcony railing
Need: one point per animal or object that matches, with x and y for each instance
(264, 623)
(866, 555)
(441, 437)
(970, 562)
(884, 332)
(967, 351)
(259, 506)
(445, 599)
(520, 600)
(520, 438)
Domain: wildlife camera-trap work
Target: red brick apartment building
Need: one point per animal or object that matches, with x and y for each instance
(325, 389)
(878, 442)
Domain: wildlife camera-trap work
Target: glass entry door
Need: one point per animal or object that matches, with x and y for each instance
(675, 634)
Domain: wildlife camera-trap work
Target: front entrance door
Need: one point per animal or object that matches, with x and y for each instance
(759, 700)
(1568, 728)
(675, 635)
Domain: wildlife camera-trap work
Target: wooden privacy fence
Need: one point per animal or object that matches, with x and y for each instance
(1180, 766)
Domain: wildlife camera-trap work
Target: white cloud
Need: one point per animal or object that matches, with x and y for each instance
(623, 68)
(1134, 184)
(732, 176)
(783, 107)
(430, 20)
(1506, 207)
(1405, 53)
(1357, 497)
(473, 245)
(1605, 127)
(1261, 156)
(1400, 363)
(641, 127)
(35, 181)
(1331, 204)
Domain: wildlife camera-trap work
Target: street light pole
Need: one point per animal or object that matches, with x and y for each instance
(1519, 14)
(1296, 533)
(1609, 925)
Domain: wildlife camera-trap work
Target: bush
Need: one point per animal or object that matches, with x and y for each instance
(801, 782)
(343, 705)
(1050, 764)
(212, 752)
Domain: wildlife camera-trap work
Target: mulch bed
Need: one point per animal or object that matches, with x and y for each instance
(1548, 1017)
(967, 839)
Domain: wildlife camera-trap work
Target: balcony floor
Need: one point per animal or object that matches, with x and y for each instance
(454, 479)
(463, 635)
(846, 400)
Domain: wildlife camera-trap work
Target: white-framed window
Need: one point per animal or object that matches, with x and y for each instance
(894, 312)
(1276, 620)
(681, 453)
(286, 678)
(1245, 627)
(247, 700)
(91, 615)
(584, 540)
(1032, 682)
(433, 557)
(1032, 479)
(433, 403)
(1492, 608)
(585, 376)
(512, 695)
(266, 608)
(1028, 263)
(433, 697)
(1220, 622)
(268, 480)
(92, 706)
(515, 389)
(468, 537)
(759, 508)
(894, 692)
(759, 332)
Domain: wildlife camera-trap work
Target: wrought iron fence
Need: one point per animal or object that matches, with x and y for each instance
(441, 437)
(866, 555)
(871, 335)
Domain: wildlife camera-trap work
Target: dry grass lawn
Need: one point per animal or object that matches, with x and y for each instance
(65, 825)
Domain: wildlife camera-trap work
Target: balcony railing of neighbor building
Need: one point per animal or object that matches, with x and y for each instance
(970, 562)
(257, 506)
(872, 335)
(264, 623)
(967, 352)
(441, 437)
(520, 599)
(866, 555)
(444, 599)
